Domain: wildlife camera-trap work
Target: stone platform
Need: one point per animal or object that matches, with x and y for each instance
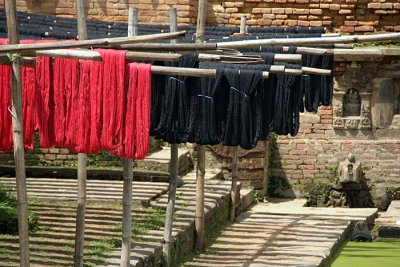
(282, 234)
(389, 222)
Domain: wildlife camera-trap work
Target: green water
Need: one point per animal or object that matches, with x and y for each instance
(369, 254)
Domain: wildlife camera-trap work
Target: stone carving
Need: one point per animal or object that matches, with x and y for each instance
(350, 170)
(351, 190)
(352, 124)
(338, 123)
(337, 111)
(366, 111)
(351, 103)
(361, 232)
(352, 100)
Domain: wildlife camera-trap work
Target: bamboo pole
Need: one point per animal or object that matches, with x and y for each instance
(151, 56)
(165, 47)
(133, 21)
(310, 41)
(81, 20)
(128, 173)
(173, 169)
(243, 21)
(201, 21)
(265, 169)
(127, 213)
(82, 161)
(24, 61)
(18, 137)
(232, 213)
(106, 42)
(201, 158)
(199, 215)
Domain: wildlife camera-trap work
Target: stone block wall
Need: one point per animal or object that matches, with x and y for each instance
(346, 16)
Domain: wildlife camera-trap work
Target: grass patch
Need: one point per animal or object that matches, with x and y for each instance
(9, 212)
(386, 44)
(210, 238)
(369, 254)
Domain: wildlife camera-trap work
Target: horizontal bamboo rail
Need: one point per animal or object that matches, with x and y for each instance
(310, 41)
(21, 48)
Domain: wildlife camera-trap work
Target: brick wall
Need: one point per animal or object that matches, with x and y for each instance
(346, 16)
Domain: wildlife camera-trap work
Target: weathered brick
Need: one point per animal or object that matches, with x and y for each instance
(345, 11)
(316, 11)
(301, 11)
(278, 10)
(364, 29)
(334, 7)
(374, 5)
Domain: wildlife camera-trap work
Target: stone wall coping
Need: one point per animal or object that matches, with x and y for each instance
(364, 54)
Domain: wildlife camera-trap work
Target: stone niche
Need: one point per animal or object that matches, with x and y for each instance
(352, 100)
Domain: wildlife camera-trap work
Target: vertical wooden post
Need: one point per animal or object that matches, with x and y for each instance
(173, 168)
(82, 161)
(127, 214)
(133, 20)
(265, 169)
(201, 21)
(232, 214)
(201, 171)
(199, 216)
(173, 22)
(128, 173)
(80, 210)
(18, 136)
(243, 21)
(81, 19)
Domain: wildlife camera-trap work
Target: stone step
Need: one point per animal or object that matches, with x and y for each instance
(389, 221)
(66, 189)
(282, 234)
(159, 161)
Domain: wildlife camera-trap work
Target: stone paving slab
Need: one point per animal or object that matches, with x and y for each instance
(282, 234)
(66, 189)
(217, 195)
(389, 222)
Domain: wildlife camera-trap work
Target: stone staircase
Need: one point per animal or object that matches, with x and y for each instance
(53, 243)
(217, 194)
(159, 161)
(282, 234)
(49, 189)
(388, 222)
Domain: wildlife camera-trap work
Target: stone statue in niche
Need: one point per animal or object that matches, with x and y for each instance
(337, 111)
(350, 170)
(366, 111)
(352, 103)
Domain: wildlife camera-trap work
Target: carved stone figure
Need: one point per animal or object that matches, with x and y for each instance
(338, 123)
(366, 111)
(361, 232)
(352, 103)
(352, 124)
(350, 170)
(338, 111)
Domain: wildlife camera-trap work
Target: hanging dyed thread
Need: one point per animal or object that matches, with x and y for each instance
(65, 73)
(29, 99)
(143, 104)
(114, 98)
(45, 103)
(5, 106)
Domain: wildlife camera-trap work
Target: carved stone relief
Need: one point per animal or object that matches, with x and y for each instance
(352, 100)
